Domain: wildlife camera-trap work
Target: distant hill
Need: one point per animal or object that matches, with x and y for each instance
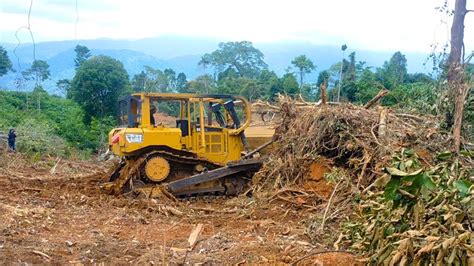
(182, 54)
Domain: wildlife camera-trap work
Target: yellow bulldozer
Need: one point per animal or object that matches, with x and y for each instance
(203, 150)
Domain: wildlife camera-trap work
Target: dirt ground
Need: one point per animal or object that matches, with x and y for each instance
(54, 212)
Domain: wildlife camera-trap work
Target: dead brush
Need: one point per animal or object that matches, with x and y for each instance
(351, 136)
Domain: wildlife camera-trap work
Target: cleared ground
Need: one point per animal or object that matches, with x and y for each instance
(54, 212)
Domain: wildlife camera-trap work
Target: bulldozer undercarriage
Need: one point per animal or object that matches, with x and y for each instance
(162, 173)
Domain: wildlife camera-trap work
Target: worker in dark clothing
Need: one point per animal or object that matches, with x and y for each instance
(152, 113)
(12, 140)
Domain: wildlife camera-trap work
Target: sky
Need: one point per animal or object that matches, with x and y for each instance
(407, 25)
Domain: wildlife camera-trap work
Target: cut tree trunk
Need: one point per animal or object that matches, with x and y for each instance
(322, 87)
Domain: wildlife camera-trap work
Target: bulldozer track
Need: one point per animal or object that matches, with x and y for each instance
(132, 167)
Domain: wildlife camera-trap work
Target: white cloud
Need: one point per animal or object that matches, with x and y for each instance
(373, 24)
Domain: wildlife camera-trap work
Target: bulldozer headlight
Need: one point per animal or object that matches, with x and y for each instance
(134, 138)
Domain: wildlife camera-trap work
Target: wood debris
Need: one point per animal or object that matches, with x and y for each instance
(193, 237)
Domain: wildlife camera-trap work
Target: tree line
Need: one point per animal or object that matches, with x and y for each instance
(239, 68)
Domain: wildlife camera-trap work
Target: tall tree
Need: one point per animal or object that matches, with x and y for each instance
(139, 82)
(289, 84)
(270, 83)
(39, 72)
(241, 57)
(5, 63)
(63, 85)
(202, 84)
(393, 72)
(98, 83)
(159, 81)
(456, 78)
(341, 80)
(170, 80)
(181, 81)
(82, 54)
(351, 71)
(304, 66)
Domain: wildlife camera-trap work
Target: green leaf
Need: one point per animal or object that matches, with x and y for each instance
(467, 153)
(391, 189)
(463, 187)
(408, 152)
(445, 156)
(428, 182)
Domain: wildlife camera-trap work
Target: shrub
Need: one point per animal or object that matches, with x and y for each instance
(38, 138)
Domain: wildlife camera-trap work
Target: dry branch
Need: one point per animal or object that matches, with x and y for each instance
(328, 205)
(376, 99)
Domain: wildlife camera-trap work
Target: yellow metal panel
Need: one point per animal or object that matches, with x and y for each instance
(219, 147)
(201, 123)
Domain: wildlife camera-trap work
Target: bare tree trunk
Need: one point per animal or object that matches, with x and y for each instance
(322, 87)
(301, 81)
(456, 81)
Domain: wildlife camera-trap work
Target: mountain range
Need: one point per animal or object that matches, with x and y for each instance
(182, 54)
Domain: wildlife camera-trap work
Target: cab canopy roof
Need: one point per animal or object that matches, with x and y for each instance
(188, 96)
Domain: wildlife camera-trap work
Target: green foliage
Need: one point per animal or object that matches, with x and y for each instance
(304, 66)
(181, 81)
(97, 85)
(138, 82)
(270, 84)
(39, 72)
(247, 87)
(367, 86)
(240, 57)
(155, 80)
(393, 72)
(5, 63)
(289, 84)
(63, 86)
(13, 108)
(98, 132)
(62, 118)
(414, 97)
(38, 137)
(323, 77)
(468, 125)
(203, 84)
(82, 54)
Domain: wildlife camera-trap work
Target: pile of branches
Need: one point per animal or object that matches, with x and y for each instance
(415, 215)
(358, 138)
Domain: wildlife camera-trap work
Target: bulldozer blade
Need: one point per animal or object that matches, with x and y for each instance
(231, 169)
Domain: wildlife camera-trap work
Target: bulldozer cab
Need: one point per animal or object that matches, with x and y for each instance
(209, 126)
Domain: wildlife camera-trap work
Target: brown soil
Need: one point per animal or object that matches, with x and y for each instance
(62, 216)
(165, 119)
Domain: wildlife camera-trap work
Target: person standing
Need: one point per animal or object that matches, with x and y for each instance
(12, 140)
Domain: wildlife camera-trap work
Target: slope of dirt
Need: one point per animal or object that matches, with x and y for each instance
(54, 212)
